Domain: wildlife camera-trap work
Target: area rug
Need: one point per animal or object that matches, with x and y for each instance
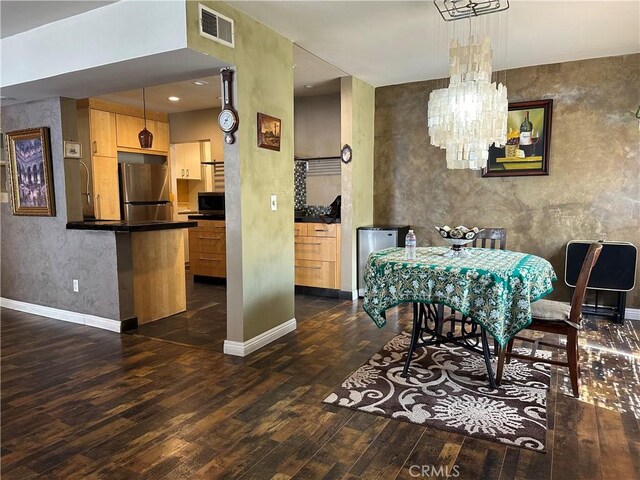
(448, 389)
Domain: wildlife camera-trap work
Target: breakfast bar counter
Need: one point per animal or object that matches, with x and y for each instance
(150, 257)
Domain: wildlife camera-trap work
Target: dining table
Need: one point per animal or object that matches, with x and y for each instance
(491, 289)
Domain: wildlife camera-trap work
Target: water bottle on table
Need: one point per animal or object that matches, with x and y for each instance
(410, 245)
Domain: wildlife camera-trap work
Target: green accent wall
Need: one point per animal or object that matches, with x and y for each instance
(260, 265)
(357, 129)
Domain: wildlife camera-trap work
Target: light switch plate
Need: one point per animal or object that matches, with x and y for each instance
(75, 286)
(274, 203)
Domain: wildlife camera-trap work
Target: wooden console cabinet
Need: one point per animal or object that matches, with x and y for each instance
(208, 249)
(317, 255)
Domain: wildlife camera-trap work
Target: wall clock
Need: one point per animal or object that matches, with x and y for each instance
(345, 153)
(228, 118)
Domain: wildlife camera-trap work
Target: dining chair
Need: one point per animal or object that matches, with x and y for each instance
(556, 317)
(488, 237)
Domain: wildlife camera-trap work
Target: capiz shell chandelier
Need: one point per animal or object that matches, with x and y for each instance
(471, 114)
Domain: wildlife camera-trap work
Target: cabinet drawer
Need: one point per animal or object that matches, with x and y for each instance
(208, 264)
(315, 248)
(207, 241)
(321, 230)
(210, 224)
(300, 229)
(311, 273)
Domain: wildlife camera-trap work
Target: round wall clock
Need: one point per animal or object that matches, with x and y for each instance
(345, 153)
(228, 118)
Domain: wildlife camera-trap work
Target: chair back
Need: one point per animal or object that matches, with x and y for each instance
(489, 237)
(583, 280)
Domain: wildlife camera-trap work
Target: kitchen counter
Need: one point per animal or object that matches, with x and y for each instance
(306, 219)
(133, 226)
(207, 216)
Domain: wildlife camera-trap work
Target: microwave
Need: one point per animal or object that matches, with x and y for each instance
(211, 202)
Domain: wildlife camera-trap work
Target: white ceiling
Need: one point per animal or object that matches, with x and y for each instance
(314, 72)
(192, 97)
(390, 42)
(20, 16)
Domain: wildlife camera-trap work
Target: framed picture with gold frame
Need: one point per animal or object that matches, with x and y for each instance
(30, 172)
(528, 142)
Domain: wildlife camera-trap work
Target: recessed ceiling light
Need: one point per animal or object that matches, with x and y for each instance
(308, 86)
(174, 99)
(294, 65)
(219, 98)
(200, 83)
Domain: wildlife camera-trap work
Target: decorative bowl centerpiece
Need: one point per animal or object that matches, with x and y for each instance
(458, 237)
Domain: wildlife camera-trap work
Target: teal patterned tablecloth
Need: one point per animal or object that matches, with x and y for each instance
(494, 287)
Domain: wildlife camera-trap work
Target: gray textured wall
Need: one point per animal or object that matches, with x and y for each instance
(40, 257)
(592, 192)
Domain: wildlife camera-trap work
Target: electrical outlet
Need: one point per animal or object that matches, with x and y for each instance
(76, 288)
(274, 203)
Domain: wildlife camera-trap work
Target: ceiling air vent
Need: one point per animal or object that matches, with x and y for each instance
(215, 26)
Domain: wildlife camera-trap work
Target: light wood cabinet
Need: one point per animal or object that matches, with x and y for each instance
(317, 255)
(187, 157)
(208, 249)
(105, 188)
(103, 133)
(128, 128)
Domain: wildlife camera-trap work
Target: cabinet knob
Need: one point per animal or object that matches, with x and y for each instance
(182, 173)
(187, 172)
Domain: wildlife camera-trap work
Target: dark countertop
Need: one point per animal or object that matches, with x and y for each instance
(207, 216)
(306, 219)
(134, 226)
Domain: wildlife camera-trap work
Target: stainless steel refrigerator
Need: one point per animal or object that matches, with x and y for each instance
(374, 238)
(145, 191)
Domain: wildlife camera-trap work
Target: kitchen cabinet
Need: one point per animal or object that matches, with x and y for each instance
(317, 255)
(208, 249)
(105, 187)
(128, 127)
(187, 158)
(103, 133)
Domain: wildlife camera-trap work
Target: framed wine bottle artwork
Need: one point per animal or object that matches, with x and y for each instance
(528, 142)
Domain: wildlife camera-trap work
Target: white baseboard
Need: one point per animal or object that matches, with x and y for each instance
(64, 315)
(632, 314)
(242, 349)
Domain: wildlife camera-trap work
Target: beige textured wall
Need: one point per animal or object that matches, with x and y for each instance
(592, 192)
(357, 129)
(259, 241)
(317, 134)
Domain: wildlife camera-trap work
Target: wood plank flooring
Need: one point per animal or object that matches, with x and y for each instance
(79, 402)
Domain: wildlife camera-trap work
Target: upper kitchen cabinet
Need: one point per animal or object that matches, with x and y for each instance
(187, 158)
(103, 133)
(128, 127)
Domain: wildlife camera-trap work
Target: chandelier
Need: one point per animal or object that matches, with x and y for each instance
(471, 113)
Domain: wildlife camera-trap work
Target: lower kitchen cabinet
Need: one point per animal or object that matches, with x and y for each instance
(317, 255)
(208, 249)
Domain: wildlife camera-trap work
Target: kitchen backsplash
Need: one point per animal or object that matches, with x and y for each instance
(300, 185)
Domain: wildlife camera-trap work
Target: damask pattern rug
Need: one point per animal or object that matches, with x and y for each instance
(448, 390)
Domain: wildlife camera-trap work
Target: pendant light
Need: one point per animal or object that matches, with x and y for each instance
(470, 115)
(145, 136)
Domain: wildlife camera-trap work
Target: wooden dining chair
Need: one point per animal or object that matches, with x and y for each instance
(489, 237)
(557, 317)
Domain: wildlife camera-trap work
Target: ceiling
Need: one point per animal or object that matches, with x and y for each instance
(383, 43)
(20, 16)
(391, 42)
(192, 97)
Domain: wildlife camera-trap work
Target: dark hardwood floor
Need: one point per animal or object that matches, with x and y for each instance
(78, 402)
